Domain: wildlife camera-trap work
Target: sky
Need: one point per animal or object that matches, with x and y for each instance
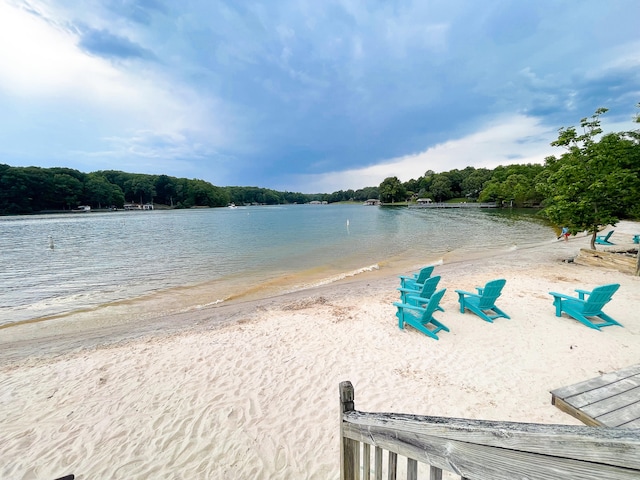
(310, 96)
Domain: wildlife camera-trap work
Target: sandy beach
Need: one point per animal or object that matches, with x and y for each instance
(250, 390)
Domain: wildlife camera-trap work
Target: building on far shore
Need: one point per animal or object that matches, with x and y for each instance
(137, 206)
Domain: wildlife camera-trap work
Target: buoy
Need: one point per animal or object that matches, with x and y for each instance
(51, 245)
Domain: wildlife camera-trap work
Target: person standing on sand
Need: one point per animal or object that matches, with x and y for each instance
(565, 233)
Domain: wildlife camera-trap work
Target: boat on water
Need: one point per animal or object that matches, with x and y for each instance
(82, 209)
(232, 205)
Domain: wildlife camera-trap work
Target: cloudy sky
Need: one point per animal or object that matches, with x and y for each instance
(307, 95)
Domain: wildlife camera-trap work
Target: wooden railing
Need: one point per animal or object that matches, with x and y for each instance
(479, 449)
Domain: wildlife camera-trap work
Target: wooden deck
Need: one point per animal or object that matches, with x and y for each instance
(610, 400)
(378, 445)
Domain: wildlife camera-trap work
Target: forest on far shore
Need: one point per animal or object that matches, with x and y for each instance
(595, 173)
(25, 190)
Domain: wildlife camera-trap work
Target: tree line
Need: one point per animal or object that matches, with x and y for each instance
(25, 190)
(593, 183)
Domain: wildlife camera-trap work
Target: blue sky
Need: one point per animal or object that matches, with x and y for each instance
(307, 95)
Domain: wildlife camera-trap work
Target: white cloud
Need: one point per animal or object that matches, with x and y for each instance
(35, 57)
(516, 139)
(40, 61)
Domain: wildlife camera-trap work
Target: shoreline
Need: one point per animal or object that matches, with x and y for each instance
(250, 389)
(59, 335)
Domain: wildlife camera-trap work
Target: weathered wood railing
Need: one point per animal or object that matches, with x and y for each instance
(478, 449)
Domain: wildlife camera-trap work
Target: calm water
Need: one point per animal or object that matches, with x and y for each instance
(149, 263)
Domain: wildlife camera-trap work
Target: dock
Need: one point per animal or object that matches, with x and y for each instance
(610, 400)
(453, 205)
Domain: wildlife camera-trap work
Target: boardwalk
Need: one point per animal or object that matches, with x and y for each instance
(611, 400)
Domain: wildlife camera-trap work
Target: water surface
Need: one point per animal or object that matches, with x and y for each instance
(163, 261)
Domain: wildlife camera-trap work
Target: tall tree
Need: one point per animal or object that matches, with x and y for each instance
(591, 184)
(391, 189)
(441, 187)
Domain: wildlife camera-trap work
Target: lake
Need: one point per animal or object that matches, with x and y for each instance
(100, 266)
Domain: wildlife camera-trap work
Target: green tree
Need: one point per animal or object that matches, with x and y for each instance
(594, 182)
(204, 194)
(100, 192)
(166, 190)
(140, 188)
(441, 187)
(391, 189)
(68, 189)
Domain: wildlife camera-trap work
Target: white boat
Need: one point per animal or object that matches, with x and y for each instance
(82, 209)
(232, 205)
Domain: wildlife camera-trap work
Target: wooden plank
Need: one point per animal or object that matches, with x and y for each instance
(366, 462)
(574, 412)
(622, 416)
(606, 391)
(349, 449)
(378, 463)
(435, 473)
(392, 467)
(483, 462)
(597, 382)
(600, 258)
(412, 469)
(612, 403)
(607, 400)
(608, 446)
(634, 424)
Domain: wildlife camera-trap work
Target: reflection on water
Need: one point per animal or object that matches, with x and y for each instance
(160, 261)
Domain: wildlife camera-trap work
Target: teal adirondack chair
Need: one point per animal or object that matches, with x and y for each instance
(604, 239)
(420, 296)
(483, 303)
(416, 280)
(581, 309)
(636, 239)
(421, 318)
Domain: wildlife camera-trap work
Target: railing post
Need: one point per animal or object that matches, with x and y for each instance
(348, 450)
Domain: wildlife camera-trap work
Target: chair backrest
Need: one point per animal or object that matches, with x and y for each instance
(598, 298)
(490, 294)
(434, 301)
(424, 274)
(608, 235)
(429, 286)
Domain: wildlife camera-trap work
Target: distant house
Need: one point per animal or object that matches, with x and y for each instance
(423, 201)
(137, 206)
(373, 202)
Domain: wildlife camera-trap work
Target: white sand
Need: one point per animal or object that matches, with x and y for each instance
(257, 396)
